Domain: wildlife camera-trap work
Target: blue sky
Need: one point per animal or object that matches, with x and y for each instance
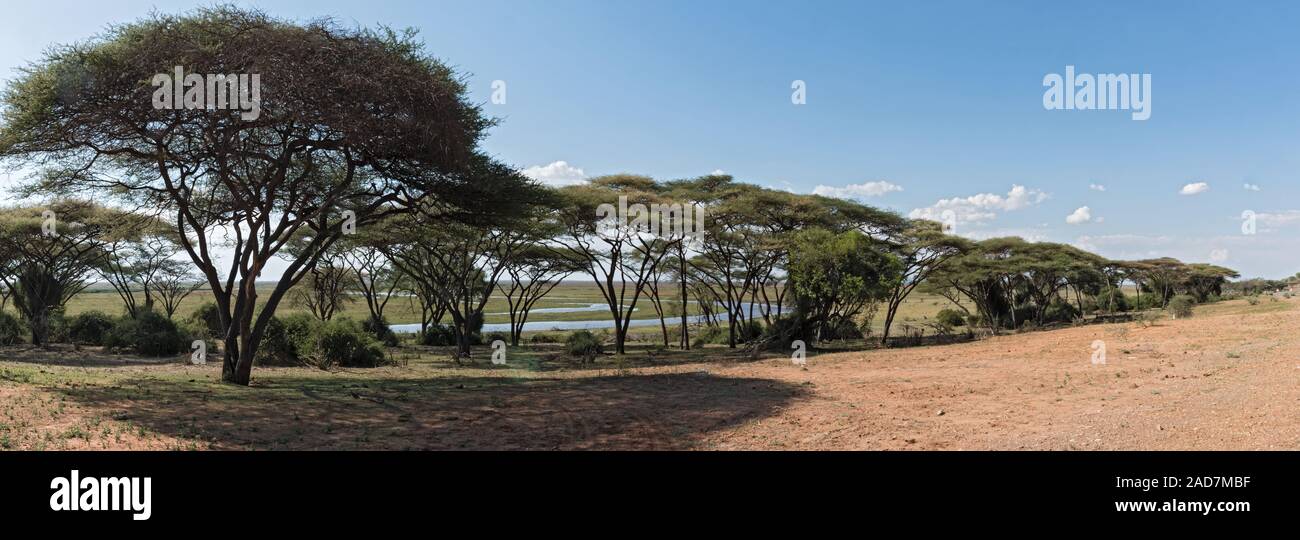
(940, 99)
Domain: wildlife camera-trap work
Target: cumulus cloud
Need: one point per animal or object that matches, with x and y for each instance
(982, 206)
(1096, 187)
(718, 172)
(558, 173)
(1250, 187)
(1081, 215)
(1194, 188)
(857, 191)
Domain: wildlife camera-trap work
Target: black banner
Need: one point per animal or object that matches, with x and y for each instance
(1175, 488)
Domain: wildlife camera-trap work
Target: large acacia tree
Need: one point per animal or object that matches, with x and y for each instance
(355, 125)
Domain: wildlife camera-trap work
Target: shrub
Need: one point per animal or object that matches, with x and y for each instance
(11, 329)
(208, 317)
(438, 335)
(1060, 312)
(493, 336)
(543, 338)
(380, 330)
(149, 334)
(710, 335)
(950, 317)
(1148, 301)
(1113, 299)
(584, 344)
(276, 349)
(1252, 300)
(345, 343)
(1181, 306)
(90, 328)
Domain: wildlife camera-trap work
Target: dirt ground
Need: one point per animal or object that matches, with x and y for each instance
(1224, 379)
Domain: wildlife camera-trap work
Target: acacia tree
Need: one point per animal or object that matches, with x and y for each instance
(1205, 280)
(175, 281)
(462, 262)
(56, 248)
(839, 279)
(619, 252)
(533, 273)
(375, 277)
(921, 248)
(325, 291)
(139, 250)
(354, 125)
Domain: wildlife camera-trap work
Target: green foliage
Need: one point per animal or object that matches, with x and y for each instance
(583, 344)
(1180, 306)
(838, 277)
(149, 334)
(1060, 312)
(343, 342)
(208, 317)
(493, 336)
(438, 335)
(90, 328)
(950, 317)
(11, 329)
(543, 338)
(380, 330)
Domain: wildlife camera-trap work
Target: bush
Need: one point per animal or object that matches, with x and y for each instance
(584, 344)
(543, 338)
(438, 335)
(276, 349)
(345, 343)
(493, 336)
(380, 330)
(845, 329)
(11, 329)
(208, 317)
(710, 335)
(1147, 301)
(90, 328)
(1181, 306)
(1114, 299)
(149, 334)
(1060, 312)
(1252, 300)
(950, 317)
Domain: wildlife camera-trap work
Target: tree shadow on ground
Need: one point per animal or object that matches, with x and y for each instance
(660, 411)
(64, 354)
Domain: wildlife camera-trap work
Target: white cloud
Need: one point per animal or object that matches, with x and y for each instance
(718, 172)
(1096, 187)
(1278, 219)
(1081, 215)
(1250, 187)
(558, 173)
(1194, 188)
(857, 191)
(982, 206)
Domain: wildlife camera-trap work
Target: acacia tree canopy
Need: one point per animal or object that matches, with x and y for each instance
(351, 120)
